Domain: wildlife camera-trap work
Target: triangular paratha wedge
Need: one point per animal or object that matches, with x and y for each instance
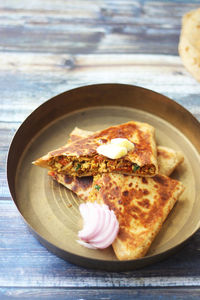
(168, 160)
(141, 205)
(78, 133)
(81, 186)
(80, 157)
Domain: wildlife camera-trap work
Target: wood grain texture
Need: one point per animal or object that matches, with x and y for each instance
(100, 294)
(48, 47)
(27, 80)
(89, 26)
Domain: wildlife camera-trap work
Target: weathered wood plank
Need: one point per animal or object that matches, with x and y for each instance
(7, 131)
(25, 263)
(100, 294)
(27, 80)
(92, 26)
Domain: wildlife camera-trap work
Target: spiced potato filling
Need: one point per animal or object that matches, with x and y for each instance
(83, 166)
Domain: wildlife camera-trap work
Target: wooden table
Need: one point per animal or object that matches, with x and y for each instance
(47, 47)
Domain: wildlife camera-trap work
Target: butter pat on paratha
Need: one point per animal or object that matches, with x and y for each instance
(80, 158)
(168, 160)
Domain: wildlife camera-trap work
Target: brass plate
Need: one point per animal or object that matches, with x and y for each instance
(51, 211)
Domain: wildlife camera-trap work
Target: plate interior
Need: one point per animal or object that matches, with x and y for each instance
(52, 210)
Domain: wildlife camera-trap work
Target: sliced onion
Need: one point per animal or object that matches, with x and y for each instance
(109, 240)
(92, 218)
(104, 229)
(100, 226)
(108, 237)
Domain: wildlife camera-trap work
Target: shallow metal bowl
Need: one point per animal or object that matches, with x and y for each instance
(51, 211)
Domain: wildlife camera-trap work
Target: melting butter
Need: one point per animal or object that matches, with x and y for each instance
(123, 143)
(117, 148)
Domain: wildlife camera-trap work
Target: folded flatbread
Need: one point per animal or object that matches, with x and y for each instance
(80, 157)
(189, 44)
(168, 160)
(141, 205)
(81, 186)
(145, 201)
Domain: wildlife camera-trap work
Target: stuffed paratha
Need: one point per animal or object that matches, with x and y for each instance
(141, 205)
(168, 160)
(80, 158)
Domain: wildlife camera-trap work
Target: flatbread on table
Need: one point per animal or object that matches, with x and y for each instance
(189, 44)
(141, 205)
(168, 160)
(80, 157)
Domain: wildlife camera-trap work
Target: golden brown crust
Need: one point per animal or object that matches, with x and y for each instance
(168, 159)
(141, 206)
(78, 133)
(144, 153)
(81, 186)
(123, 192)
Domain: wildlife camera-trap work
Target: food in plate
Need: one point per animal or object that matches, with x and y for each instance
(78, 133)
(189, 44)
(81, 158)
(141, 205)
(81, 186)
(168, 160)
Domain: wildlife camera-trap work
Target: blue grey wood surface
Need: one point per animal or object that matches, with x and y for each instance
(47, 47)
